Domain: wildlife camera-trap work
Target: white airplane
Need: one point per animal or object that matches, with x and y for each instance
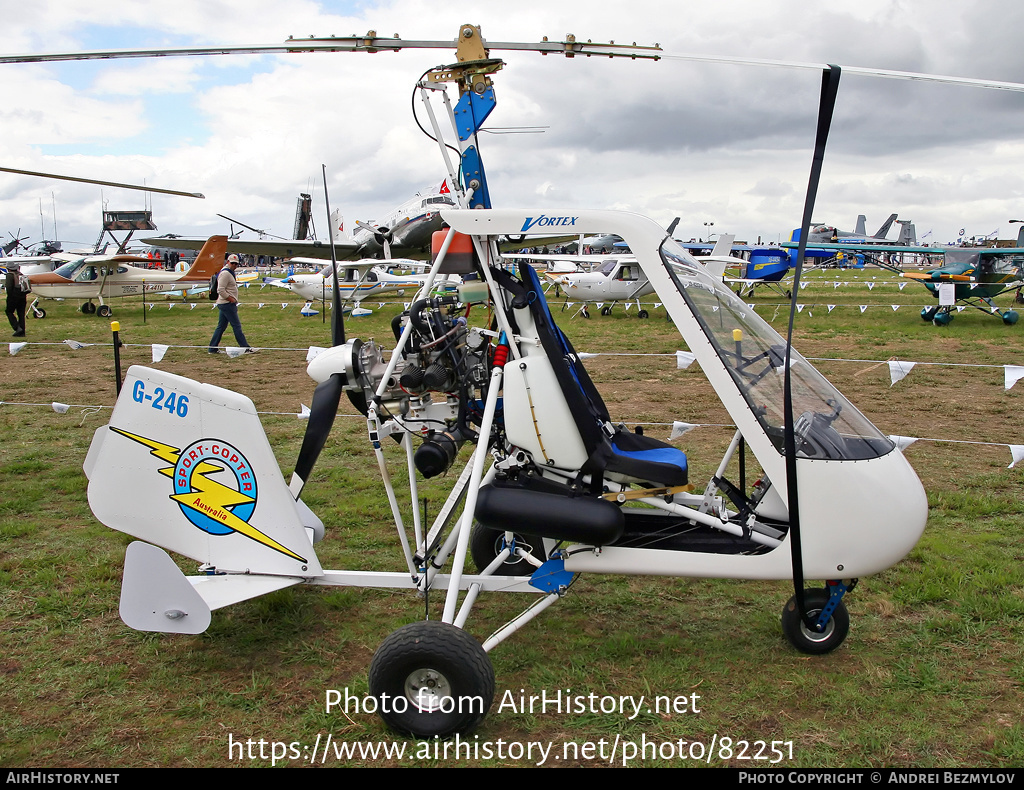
(355, 282)
(103, 277)
(618, 279)
(405, 230)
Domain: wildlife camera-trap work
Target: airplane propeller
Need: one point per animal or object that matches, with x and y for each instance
(382, 235)
(332, 376)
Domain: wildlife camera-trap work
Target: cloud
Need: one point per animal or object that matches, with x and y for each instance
(708, 142)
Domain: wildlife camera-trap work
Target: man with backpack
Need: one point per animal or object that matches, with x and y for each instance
(17, 286)
(226, 295)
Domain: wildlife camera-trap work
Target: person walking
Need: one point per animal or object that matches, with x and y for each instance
(227, 307)
(17, 299)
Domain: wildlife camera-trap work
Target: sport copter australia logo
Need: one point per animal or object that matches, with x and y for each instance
(210, 505)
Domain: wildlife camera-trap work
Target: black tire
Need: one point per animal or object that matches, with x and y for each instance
(88, 308)
(104, 311)
(586, 312)
(606, 310)
(806, 640)
(424, 664)
(39, 313)
(485, 544)
(643, 314)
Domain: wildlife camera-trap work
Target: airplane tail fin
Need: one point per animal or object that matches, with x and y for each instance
(187, 466)
(210, 259)
(338, 226)
(861, 229)
(723, 247)
(908, 233)
(885, 227)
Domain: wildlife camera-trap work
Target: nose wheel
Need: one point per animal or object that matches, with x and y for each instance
(807, 640)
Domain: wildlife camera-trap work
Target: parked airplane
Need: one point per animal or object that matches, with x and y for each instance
(826, 233)
(405, 230)
(756, 265)
(102, 277)
(978, 275)
(618, 279)
(356, 282)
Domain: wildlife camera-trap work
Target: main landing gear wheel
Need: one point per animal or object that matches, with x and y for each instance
(39, 312)
(485, 544)
(803, 638)
(88, 308)
(1010, 317)
(585, 313)
(104, 311)
(928, 313)
(606, 310)
(431, 679)
(643, 314)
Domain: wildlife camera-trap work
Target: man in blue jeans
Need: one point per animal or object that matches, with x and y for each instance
(227, 307)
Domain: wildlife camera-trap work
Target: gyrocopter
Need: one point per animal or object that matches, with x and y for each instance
(551, 489)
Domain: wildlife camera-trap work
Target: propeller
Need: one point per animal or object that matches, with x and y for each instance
(383, 236)
(15, 242)
(325, 368)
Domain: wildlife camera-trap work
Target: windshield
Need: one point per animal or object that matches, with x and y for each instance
(67, 270)
(827, 425)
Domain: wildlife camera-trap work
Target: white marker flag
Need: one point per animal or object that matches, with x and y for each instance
(902, 442)
(679, 428)
(75, 344)
(898, 370)
(863, 307)
(14, 348)
(894, 307)
(1011, 374)
(159, 349)
(303, 412)
(61, 408)
(234, 351)
(684, 359)
(831, 307)
(1017, 453)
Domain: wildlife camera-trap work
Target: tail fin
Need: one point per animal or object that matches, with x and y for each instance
(861, 229)
(187, 466)
(209, 261)
(908, 233)
(723, 247)
(885, 227)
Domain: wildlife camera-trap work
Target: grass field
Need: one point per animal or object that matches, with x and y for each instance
(931, 674)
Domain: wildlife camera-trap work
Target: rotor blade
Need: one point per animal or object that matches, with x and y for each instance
(326, 398)
(672, 227)
(239, 222)
(337, 314)
(826, 105)
(103, 183)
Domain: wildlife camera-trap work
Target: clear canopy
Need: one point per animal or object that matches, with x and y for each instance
(827, 425)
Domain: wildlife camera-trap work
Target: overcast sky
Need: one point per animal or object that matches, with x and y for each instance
(726, 144)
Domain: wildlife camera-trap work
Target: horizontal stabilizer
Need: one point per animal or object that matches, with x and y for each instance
(157, 596)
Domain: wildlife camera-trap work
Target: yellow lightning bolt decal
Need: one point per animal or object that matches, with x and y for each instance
(209, 497)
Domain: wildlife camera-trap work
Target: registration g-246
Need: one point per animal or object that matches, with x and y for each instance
(172, 402)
